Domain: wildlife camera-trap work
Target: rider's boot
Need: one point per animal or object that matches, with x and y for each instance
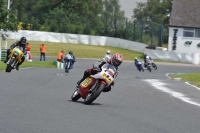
(86, 74)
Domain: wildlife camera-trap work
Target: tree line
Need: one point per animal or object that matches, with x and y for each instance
(92, 17)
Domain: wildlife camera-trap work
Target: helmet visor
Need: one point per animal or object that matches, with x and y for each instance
(116, 62)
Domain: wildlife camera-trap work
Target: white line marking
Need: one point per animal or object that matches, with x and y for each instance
(185, 82)
(192, 85)
(168, 75)
(161, 86)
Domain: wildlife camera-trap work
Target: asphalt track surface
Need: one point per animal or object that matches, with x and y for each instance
(38, 100)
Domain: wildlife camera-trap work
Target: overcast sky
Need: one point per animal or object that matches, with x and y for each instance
(128, 6)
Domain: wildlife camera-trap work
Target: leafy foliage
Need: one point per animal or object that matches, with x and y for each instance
(8, 20)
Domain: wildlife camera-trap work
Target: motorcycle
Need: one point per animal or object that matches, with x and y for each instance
(14, 58)
(69, 61)
(153, 64)
(148, 64)
(139, 66)
(93, 85)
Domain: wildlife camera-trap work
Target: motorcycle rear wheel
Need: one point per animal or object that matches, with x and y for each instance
(93, 95)
(76, 95)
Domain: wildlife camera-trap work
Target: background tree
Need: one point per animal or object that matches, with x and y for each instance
(8, 21)
(154, 11)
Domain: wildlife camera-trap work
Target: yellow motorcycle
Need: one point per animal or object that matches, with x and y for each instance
(14, 58)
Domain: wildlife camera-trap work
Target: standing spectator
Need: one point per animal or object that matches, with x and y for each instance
(29, 56)
(42, 51)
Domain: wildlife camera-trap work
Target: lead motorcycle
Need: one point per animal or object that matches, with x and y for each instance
(14, 58)
(93, 85)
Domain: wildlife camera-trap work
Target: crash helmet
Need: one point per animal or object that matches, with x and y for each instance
(108, 52)
(147, 57)
(136, 59)
(116, 59)
(23, 41)
(70, 52)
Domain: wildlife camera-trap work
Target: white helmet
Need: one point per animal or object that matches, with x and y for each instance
(108, 52)
(147, 57)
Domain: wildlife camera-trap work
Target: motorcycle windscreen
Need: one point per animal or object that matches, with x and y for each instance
(85, 86)
(110, 69)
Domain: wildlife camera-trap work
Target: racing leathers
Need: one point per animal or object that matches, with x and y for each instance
(96, 67)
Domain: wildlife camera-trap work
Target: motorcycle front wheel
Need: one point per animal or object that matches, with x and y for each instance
(93, 95)
(154, 66)
(9, 67)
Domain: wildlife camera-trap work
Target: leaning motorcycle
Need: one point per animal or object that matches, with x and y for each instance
(68, 64)
(14, 58)
(148, 64)
(139, 66)
(93, 85)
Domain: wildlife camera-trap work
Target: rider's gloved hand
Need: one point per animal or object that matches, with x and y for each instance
(96, 69)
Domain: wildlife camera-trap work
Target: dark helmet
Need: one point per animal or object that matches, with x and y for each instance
(23, 41)
(117, 59)
(70, 52)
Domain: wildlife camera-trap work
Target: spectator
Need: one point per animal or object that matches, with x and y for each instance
(29, 56)
(60, 56)
(42, 51)
(60, 59)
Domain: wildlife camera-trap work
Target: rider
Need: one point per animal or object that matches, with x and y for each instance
(107, 55)
(115, 60)
(73, 60)
(21, 44)
(136, 63)
(69, 57)
(145, 59)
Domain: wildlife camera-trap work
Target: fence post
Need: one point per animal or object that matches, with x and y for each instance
(126, 28)
(134, 34)
(141, 35)
(160, 35)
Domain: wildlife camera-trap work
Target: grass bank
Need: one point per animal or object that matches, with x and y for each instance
(80, 50)
(193, 78)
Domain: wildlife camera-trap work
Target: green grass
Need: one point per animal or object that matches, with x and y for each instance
(80, 50)
(190, 77)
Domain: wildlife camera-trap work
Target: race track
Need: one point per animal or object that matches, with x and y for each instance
(38, 100)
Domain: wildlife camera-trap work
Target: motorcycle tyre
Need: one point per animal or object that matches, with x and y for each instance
(76, 95)
(9, 67)
(154, 66)
(91, 96)
(149, 68)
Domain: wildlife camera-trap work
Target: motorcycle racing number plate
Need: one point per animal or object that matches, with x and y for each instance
(86, 82)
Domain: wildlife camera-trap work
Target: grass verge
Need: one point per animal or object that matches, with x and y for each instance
(193, 78)
(80, 50)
